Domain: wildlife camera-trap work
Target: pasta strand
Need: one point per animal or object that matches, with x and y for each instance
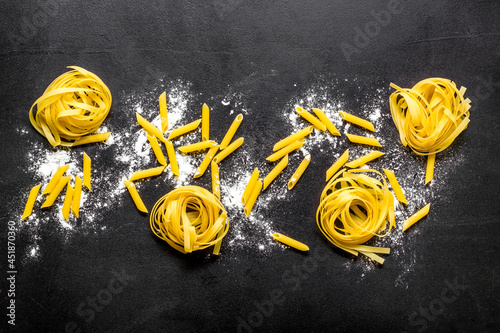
(138, 175)
(67, 201)
(299, 171)
(416, 217)
(290, 242)
(364, 159)
(28, 208)
(135, 196)
(149, 128)
(55, 192)
(171, 157)
(324, 119)
(206, 162)
(285, 151)
(55, 178)
(363, 140)
(156, 149)
(292, 138)
(250, 185)
(357, 121)
(231, 148)
(197, 146)
(205, 122)
(310, 118)
(339, 163)
(395, 186)
(231, 131)
(184, 129)
(86, 170)
(162, 101)
(275, 172)
(252, 198)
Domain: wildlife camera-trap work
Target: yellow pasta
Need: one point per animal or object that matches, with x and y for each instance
(135, 196)
(416, 217)
(310, 118)
(290, 242)
(67, 201)
(229, 149)
(28, 208)
(74, 105)
(55, 178)
(171, 157)
(162, 101)
(252, 198)
(215, 179)
(250, 185)
(197, 146)
(184, 129)
(395, 186)
(86, 170)
(91, 138)
(206, 162)
(157, 149)
(324, 119)
(205, 122)
(231, 131)
(275, 172)
(353, 208)
(55, 192)
(292, 138)
(138, 175)
(429, 172)
(339, 163)
(77, 193)
(364, 159)
(149, 128)
(189, 218)
(357, 121)
(299, 171)
(285, 150)
(363, 140)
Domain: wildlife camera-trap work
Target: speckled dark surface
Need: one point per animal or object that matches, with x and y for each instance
(270, 52)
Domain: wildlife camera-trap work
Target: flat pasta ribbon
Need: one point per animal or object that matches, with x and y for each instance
(73, 106)
(189, 218)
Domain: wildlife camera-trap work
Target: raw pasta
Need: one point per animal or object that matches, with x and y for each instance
(395, 186)
(205, 122)
(231, 131)
(357, 121)
(197, 146)
(55, 178)
(67, 201)
(55, 192)
(149, 128)
(206, 162)
(429, 172)
(416, 217)
(299, 171)
(171, 157)
(363, 140)
(310, 118)
(285, 150)
(135, 196)
(252, 198)
(275, 172)
(339, 163)
(77, 193)
(364, 159)
(138, 175)
(250, 185)
(31, 201)
(86, 170)
(292, 138)
(232, 147)
(290, 242)
(73, 106)
(91, 138)
(163, 111)
(157, 149)
(324, 119)
(184, 129)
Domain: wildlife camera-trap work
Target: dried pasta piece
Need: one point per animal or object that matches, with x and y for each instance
(285, 151)
(215, 179)
(86, 170)
(275, 172)
(299, 171)
(292, 138)
(339, 163)
(252, 198)
(198, 146)
(232, 147)
(363, 140)
(231, 131)
(189, 218)
(290, 242)
(416, 217)
(157, 149)
(357, 121)
(171, 157)
(364, 159)
(135, 196)
(67, 201)
(91, 138)
(28, 208)
(149, 128)
(55, 192)
(162, 101)
(77, 194)
(138, 175)
(205, 122)
(184, 129)
(395, 186)
(250, 185)
(73, 106)
(55, 178)
(206, 162)
(310, 118)
(429, 172)
(324, 119)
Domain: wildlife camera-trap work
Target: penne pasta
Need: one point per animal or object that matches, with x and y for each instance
(197, 146)
(28, 208)
(292, 138)
(171, 157)
(215, 179)
(232, 147)
(138, 175)
(252, 198)
(363, 140)
(324, 119)
(86, 170)
(275, 172)
(299, 171)
(290, 242)
(55, 192)
(231, 131)
(206, 161)
(67, 201)
(395, 186)
(149, 128)
(357, 121)
(55, 178)
(416, 217)
(205, 122)
(135, 196)
(83, 140)
(429, 172)
(157, 149)
(163, 111)
(339, 163)
(184, 129)
(310, 118)
(285, 150)
(77, 194)
(364, 159)
(250, 185)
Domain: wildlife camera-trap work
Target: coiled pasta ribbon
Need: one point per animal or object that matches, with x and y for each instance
(189, 218)
(354, 207)
(73, 105)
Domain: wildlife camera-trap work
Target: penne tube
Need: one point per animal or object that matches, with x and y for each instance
(86, 170)
(83, 140)
(429, 172)
(395, 186)
(67, 201)
(55, 178)
(206, 162)
(292, 138)
(290, 242)
(215, 179)
(299, 171)
(157, 150)
(28, 208)
(324, 119)
(149, 128)
(55, 192)
(138, 175)
(250, 185)
(163, 111)
(77, 194)
(364, 159)
(363, 140)
(184, 129)
(339, 163)
(285, 150)
(252, 198)
(310, 118)
(357, 121)
(171, 157)
(197, 146)
(231, 131)
(275, 172)
(232, 147)
(135, 196)
(416, 217)
(205, 122)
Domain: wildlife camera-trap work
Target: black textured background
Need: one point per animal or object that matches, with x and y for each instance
(269, 51)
